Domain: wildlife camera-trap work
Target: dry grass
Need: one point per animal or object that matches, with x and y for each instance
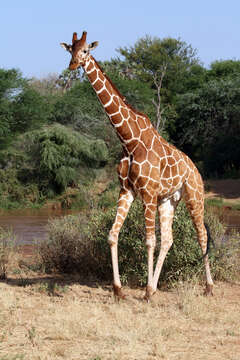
(42, 320)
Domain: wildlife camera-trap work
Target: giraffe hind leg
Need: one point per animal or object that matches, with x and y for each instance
(196, 209)
(166, 213)
(209, 286)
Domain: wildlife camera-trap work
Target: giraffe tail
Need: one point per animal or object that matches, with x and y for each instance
(209, 239)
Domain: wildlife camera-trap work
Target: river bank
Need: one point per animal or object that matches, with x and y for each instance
(228, 190)
(29, 225)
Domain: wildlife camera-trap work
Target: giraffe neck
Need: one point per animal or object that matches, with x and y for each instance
(127, 122)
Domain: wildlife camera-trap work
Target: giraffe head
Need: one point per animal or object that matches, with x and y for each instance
(79, 50)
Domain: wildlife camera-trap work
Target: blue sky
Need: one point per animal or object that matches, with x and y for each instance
(32, 30)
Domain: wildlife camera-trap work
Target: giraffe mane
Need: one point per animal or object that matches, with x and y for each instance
(119, 94)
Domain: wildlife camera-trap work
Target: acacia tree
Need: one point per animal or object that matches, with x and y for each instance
(164, 64)
(68, 77)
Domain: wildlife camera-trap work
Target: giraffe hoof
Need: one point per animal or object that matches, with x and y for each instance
(149, 293)
(208, 290)
(118, 292)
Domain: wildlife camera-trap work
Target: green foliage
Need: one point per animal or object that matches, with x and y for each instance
(77, 244)
(138, 93)
(56, 152)
(169, 67)
(209, 127)
(225, 263)
(215, 202)
(30, 110)
(13, 192)
(184, 258)
(149, 54)
(68, 77)
(44, 162)
(80, 99)
(11, 84)
(199, 107)
(132, 250)
(223, 69)
(21, 107)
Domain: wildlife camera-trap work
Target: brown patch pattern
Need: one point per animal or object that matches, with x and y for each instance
(152, 167)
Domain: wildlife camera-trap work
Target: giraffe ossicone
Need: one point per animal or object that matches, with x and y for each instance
(151, 167)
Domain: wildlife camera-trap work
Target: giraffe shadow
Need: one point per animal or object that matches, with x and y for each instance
(59, 279)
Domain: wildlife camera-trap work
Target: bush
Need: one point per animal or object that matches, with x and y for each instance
(77, 245)
(65, 249)
(13, 192)
(5, 250)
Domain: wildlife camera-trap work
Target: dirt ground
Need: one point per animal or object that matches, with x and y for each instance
(228, 189)
(45, 318)
(52, 318)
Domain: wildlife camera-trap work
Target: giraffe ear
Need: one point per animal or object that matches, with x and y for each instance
(93, 45)
(66, 47)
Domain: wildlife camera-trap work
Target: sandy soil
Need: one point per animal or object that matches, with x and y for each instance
(52, 318)
(80, 321)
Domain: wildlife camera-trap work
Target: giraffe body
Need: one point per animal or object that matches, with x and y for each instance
(151, 167)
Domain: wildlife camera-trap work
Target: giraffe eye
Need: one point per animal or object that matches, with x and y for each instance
(85, 51)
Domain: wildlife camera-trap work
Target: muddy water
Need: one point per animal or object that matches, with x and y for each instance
(29, 225)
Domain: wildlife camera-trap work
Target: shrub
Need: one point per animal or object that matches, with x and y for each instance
(13, 193)
(79, 245)
(132, 250)
(5, 250)
(65, 248)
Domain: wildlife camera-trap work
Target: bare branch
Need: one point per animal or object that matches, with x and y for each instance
(158, 104)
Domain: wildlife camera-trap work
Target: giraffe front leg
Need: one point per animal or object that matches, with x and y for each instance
(124, 202)
(150, 214)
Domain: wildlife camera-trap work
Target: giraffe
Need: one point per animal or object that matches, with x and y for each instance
(151, 168)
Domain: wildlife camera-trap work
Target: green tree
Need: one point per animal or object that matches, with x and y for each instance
(224, 68)
(55, 155)
(165, 65)
(11, 84)
(208, 125)
(149, 56)
(30, 110)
